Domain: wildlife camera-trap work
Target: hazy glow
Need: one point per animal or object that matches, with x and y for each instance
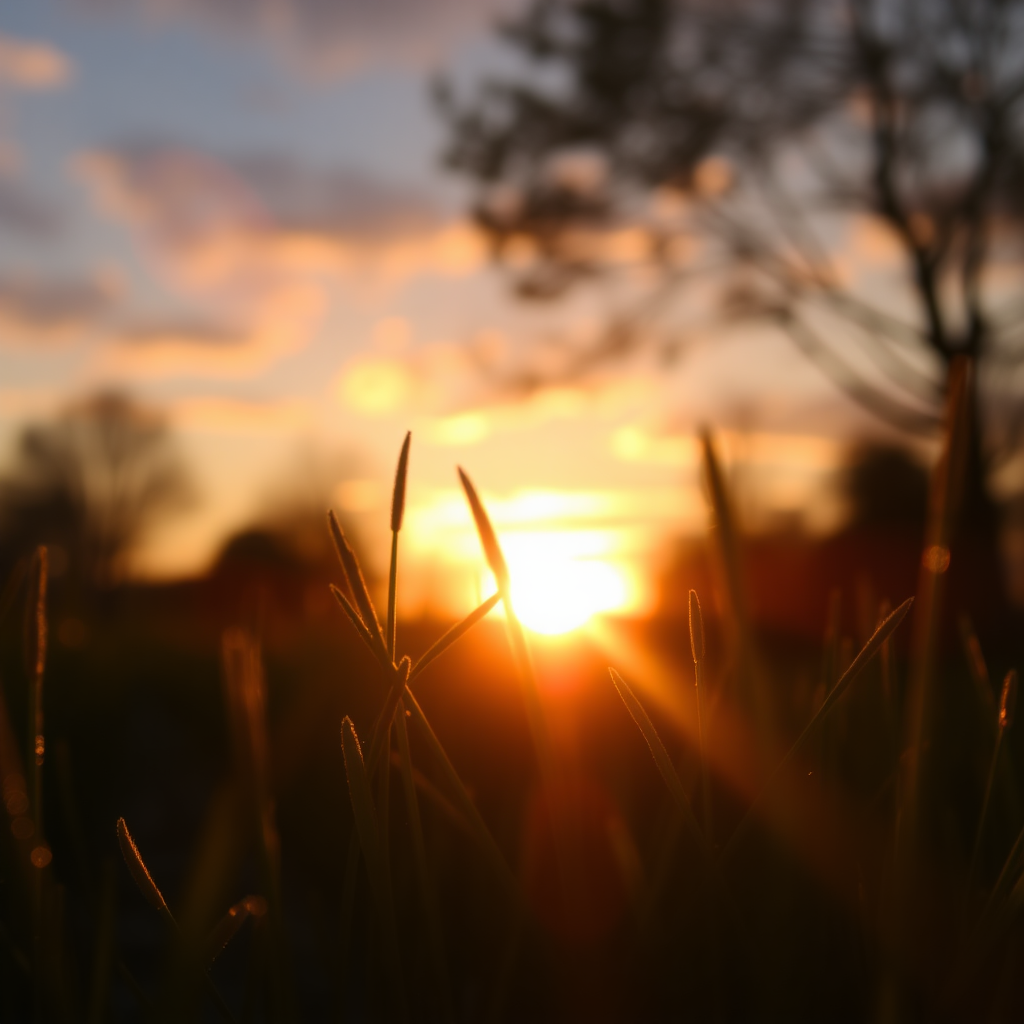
(553, 589)
(573, 554)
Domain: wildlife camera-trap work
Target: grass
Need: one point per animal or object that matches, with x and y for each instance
(815, 863)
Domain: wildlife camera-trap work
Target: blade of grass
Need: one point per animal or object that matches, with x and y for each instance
(662, 760)
(368, 830)
(882, 633)
(483, 834)
(359, 625)
(245, 697)
(354, 575)
(397, 511)
(37, 749)
(151, 893)
(682, 802)
(978, 668)
(382, 768)
(698, 651)
(228, 927)
(382, 727)
(994, 917)
(943, 507)
(520, 650)
(431, 912)
(727, 545)
(976, 663)
(437, 799)
(1007, 706)
(404, 676)
(457, 631)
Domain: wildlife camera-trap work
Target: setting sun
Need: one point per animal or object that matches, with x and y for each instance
(555, 591)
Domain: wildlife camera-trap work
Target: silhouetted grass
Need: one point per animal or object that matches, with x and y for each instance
(756, 852)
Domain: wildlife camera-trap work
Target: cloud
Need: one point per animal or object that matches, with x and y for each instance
(222, 219)
(278, 324)
(29, 64)
(213, 414)
(33, 309)
(332, 35)
(181, 194)
(24, 214)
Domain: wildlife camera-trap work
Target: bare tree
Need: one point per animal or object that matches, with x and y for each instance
(742, 143)
(93, 481)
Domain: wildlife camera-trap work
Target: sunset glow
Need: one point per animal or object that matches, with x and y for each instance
(553, 591)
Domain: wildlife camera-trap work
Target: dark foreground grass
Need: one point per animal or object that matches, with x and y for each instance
(386, 825)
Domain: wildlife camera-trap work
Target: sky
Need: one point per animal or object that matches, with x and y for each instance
(235, 211)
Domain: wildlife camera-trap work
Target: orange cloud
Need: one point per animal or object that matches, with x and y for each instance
(333, 37)
(220, 415)
(281, 323)
(29, 64)
(219, 221)
(34, 309)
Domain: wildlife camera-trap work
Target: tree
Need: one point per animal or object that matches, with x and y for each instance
(91, 482)
(743, 143)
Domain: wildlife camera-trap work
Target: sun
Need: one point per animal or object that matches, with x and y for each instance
(553, 595)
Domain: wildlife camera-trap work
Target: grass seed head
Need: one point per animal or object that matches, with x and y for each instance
(1008, 700)
(696, 629)
(398, 495)
(488, 538)
(139, 871)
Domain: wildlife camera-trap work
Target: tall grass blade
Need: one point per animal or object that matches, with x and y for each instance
(885, 629)
(226, 929)
(360, 627)
(697, 649)
(661, 759)
(976, 663)
(151, 893)
(439, 646)
(727, 545)
(354, 575)
(382, 768)
(682, 801)
(994, 916)
(140, 873)
(1007, 705)
(37, 747)
(382, 727)
(520, 649)
(398, 495)
(464, 800)
(428, 896)
(1008, 700)
(397, 512)
(368, 831)
(488, 538)
(245, 699)
(978, 669)
(943, 507)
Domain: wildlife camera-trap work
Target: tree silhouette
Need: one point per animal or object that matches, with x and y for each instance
(744, 145)
(91, 482)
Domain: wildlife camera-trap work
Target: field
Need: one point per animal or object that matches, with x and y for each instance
(301, 810)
